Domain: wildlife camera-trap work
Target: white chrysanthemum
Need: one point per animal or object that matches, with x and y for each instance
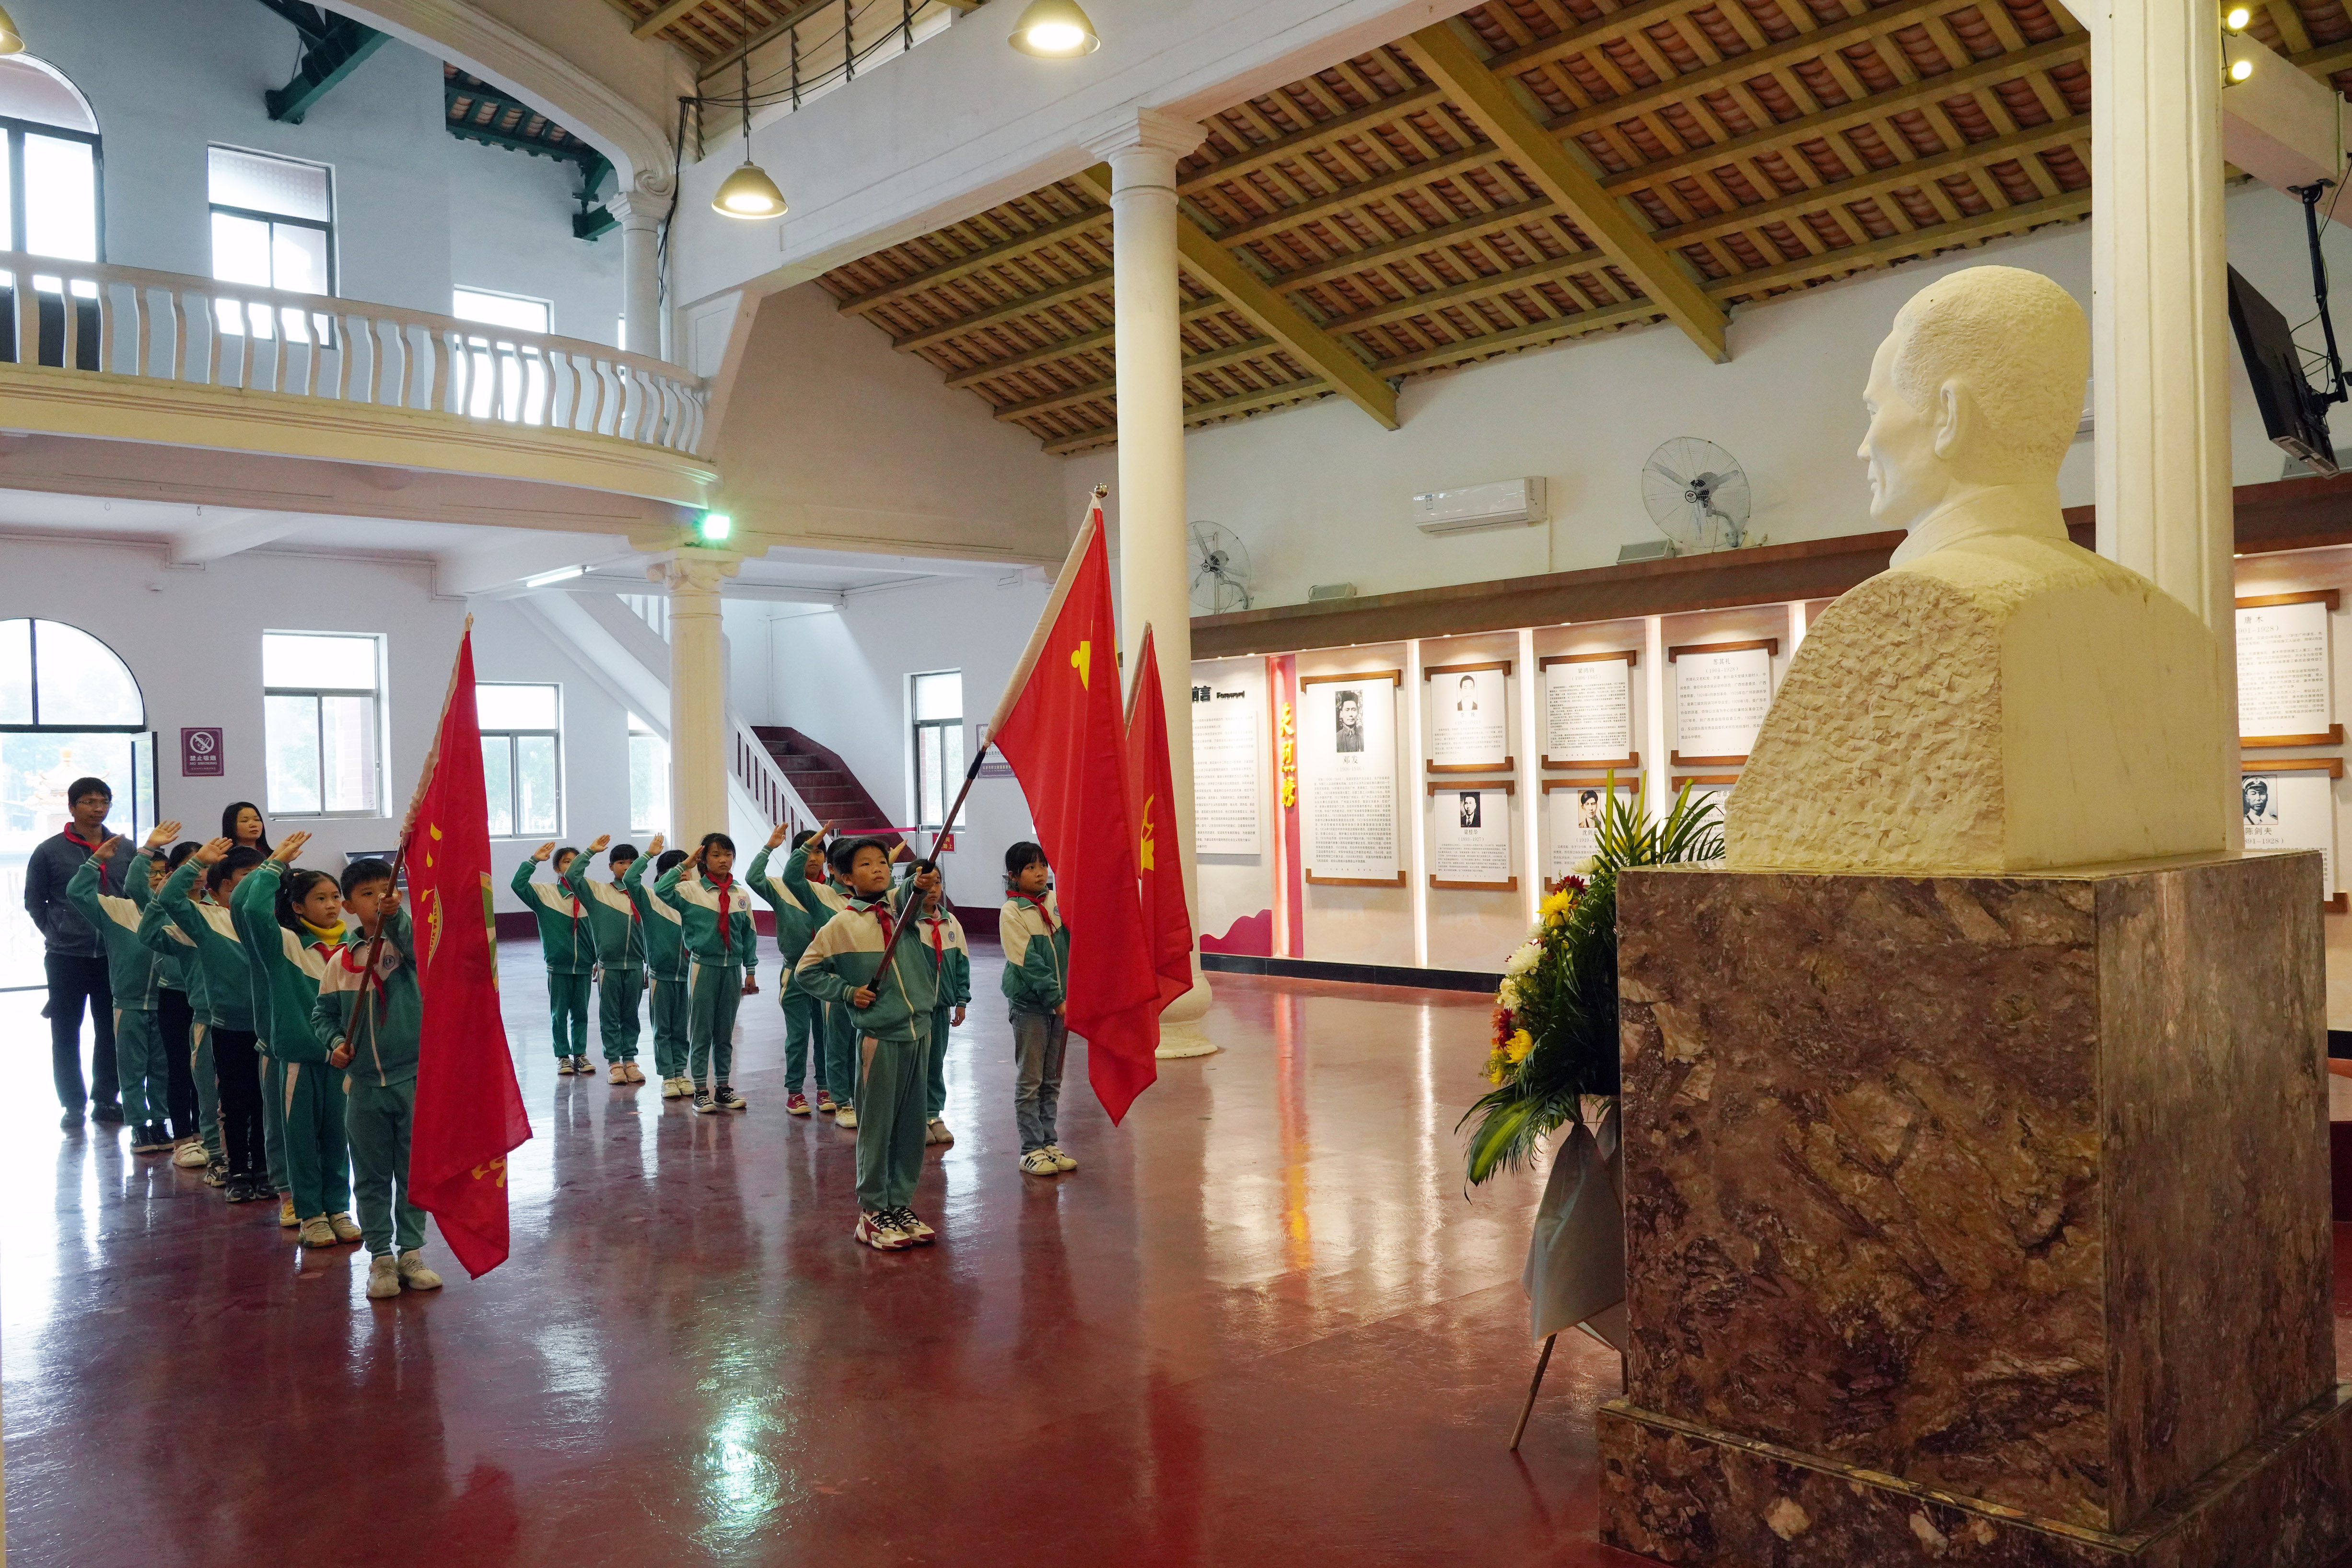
(1522, 959)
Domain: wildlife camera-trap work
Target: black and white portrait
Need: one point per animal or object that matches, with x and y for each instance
(1470, 810)
(1466, 694)
(2254, 795)
(1349, 710)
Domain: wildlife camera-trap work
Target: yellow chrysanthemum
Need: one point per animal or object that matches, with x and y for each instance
(1557, 903)
(1518, 1046)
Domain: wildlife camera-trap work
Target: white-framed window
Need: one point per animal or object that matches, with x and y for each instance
(523, 757)
(322, 714)
(51, 176)
(649, 778)
(506, 374)
(273, 228)
(937, 701)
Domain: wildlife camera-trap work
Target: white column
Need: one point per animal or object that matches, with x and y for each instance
(1658, 794)
(1530, 773)
(2159, 346)
(1417, 804)
(697, 691)
(1153, 577)
(640, 211)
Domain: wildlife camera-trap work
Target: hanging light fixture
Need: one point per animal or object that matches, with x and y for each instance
(1056, 30)
(748, 192)
(12, 42)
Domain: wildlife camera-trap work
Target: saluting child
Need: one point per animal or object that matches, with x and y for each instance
(818, 881)
(1035, 981)
(892, 991)
(799, 913)
(568, 946)
(666, 963)
(292, 923)
(722, 944)
(132, 975)
(368, 1016)
(941, 935)
(227, 980)
(179, 1014)
(620, 953)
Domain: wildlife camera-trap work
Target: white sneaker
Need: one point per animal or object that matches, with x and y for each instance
(414, 1274)
(845, 1117)
(876, 1230)
(384, 1277)
(192, 1156)
(1040, 1162)
(920, 1234)
(564, 1068)
(617, 1074)
(673, 1088)
(1061, 1161)
(937, 1133)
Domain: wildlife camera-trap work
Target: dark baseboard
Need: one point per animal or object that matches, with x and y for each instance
(1351, 973)
(2339, 1043)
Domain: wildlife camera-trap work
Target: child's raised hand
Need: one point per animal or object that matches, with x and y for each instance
(656, 847)
(106, 846)
(209, 853)
(598, 847)
(776, 837)
(289, 847)
(543, 851)
(862, 997)
(163, 834)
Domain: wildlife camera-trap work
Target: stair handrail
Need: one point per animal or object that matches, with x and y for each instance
(171, 326)
(770, 786)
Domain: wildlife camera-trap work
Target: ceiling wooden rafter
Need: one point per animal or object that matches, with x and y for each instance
(1530, 172)
(714, 34)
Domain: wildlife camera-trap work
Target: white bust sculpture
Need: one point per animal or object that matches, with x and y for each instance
(1999, 699)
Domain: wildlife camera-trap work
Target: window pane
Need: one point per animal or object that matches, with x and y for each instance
(940, 696)
(7, 208)
(33, 773)
(498, 783)
(649, 783)
(349, 765)
(15, 672)
(60, 198)
(950, 760)
(291, 730)
(240, 252)
(297, 259)
(317, 659)
(81, 680)
(535, 783)
(498, 309)
(263, 184)
(502, 707)
(928, 801)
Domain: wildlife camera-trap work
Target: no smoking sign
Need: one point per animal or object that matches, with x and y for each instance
(200, 753)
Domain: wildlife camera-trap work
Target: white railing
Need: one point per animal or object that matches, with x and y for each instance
(770, 789)
(127, 320)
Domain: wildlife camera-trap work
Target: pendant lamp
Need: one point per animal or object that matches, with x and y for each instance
(748, 192)
(12, 42)
(1056, 30)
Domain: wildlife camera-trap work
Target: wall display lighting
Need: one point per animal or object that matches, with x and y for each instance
(714, 527)
(2237, 18)
(1056, 30)
(561, 574)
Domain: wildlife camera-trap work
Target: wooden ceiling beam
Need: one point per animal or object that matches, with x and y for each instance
(1356, 195)
(2326, 60)
(1101, 337)
(1918, 242)
(1097, 282)
(1038, 238)
(1371, 116)
(1534, 334)
(1489, 101)
(1456, 294)
(1110, 385)
(663, 17)
(1199, 414)
(1439, 238)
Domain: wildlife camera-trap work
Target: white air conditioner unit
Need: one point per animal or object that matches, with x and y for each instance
(1505, 504)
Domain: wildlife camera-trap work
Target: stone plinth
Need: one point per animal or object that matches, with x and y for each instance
(1976, 1220)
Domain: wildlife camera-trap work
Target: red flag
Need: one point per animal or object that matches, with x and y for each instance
(1060, 727)
(1159, 857)
(469, 1111)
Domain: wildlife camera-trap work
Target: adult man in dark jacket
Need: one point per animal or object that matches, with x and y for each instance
(76, 956)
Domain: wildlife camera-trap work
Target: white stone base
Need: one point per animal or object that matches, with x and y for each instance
(1184, 1039)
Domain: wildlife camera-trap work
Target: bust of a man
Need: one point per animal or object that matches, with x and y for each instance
(1999, 699)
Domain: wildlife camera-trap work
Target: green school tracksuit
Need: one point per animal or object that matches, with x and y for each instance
(721, 944)
(368, 997)
(620, 958)
(798, 916)
(894, 1042)
(837, 1064)
(225, 979)
(659, 925)
(130, 971)
(569, 946)
(942, 937)
(181, 969)
(287, 970)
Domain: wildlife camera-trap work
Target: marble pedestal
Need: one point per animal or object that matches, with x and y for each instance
(1977, 1221)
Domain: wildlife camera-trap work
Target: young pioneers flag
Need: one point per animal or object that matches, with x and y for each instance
(1060, 727)
(1152, 787)
(469, 1111)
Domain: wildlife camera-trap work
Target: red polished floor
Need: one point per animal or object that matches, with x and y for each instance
(1261, 1323)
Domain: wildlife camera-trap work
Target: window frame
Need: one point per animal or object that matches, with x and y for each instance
(17, 131)
(33, 687)
(638, 728)
(514, 770)
(376, 695)
(253, 214)
(914, 735)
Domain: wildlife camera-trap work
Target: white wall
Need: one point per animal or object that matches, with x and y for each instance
(1321, 494)
(416, 210)
(192, 639)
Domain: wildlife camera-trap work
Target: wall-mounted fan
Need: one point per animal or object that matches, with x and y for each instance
(1698, 495)
(1220, 569)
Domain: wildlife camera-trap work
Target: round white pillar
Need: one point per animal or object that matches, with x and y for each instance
(1153, 574)
(697, 691)
(640, 212)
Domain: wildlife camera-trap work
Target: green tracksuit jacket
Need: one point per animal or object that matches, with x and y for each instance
(174, 961)
(130, 964)
(799, 911)
(659, 924)
(176, 957)
(565, 938)
(710, 938)
(227, 979)
(941, 937)
(846, 952)
(612, 917)
(382, 1017)
(1036, 954)
(290, 970)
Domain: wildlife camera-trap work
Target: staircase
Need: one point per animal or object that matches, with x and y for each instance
(824, 782)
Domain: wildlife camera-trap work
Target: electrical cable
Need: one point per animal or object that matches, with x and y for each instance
(2309, 196)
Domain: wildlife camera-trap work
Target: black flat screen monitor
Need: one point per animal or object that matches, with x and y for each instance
(2293, 415)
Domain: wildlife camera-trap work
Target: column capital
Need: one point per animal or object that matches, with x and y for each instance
(1145, 131)
(694, 568)
(637, 209)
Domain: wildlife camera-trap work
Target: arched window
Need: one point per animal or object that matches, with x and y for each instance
(69, 706)
(53, 171)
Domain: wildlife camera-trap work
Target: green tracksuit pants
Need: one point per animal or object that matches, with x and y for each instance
(377, 1118)
(567, 1008)
(935, 1092)
(200, 1061)
(318, 1150)
(839, 1072)
(804, 1039)
(669, 1011)
(273, 1123)
(891, 1089)
(714, 991)
(616, 1011)
(139, 1066)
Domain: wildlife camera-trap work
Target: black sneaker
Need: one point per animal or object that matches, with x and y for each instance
(150, 1139)
(245, 1189)
(106, 1111)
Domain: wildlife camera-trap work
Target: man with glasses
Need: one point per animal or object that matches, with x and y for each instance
(76, 956)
